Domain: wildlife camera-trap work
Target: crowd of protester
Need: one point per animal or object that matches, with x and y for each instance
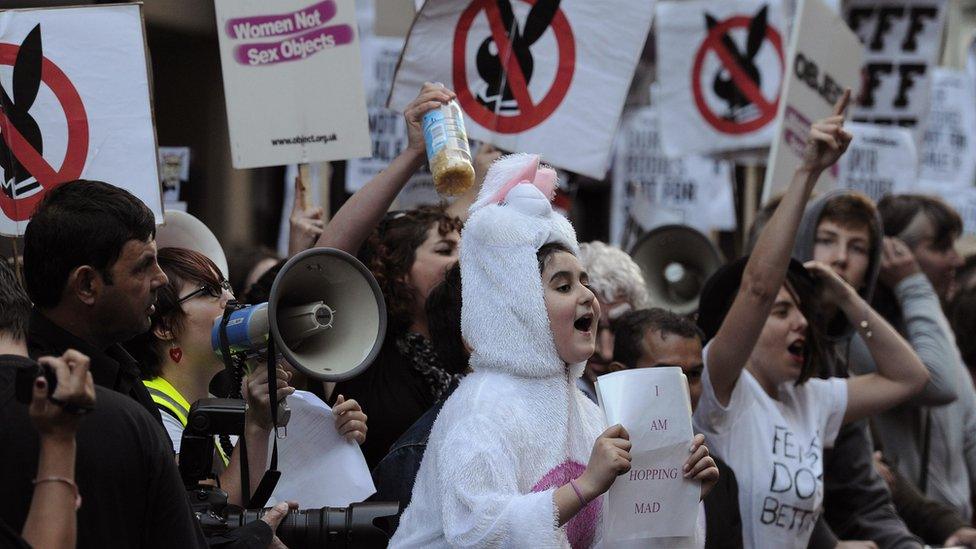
(838, 352)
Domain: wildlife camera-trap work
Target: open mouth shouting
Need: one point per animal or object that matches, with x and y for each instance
(584, 323)
(796, 350)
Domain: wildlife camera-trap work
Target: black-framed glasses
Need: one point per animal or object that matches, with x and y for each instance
(207, 289)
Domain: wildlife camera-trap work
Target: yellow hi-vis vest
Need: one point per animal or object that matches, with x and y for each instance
(171, 402)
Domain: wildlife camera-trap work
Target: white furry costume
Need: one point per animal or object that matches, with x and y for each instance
(517, 428)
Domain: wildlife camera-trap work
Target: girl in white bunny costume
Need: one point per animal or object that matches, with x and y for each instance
(509, 460)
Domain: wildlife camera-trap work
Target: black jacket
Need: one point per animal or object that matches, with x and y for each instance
(723, 523)
(112, 368)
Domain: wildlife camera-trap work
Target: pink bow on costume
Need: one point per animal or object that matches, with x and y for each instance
(542, 178)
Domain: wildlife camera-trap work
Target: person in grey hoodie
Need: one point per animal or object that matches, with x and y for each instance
(843, 230)
(947, 443)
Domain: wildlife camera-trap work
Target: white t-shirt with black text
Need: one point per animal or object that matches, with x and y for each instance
(775, 448)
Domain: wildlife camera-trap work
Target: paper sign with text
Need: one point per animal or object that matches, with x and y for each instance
(651, 188)
(721, 68)
(652, 500)
(75, 105)
(825, 58)
(541, 76)
(881, 160)
(948, 149)
(902, 40)
(292, 81)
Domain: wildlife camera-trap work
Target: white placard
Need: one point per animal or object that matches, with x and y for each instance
(881, 160)
(902, 40)
(652, 189)
(948, 150)
(721, 65)
(292, 81)
(80, 108)
(559, 95)
(825, 58)
(653, 500)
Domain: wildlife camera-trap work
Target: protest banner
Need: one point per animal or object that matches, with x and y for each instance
(388, 131)
(652, 500)
(902, 40)
(722, 68)
(824, 58)
(947, 150)
(651, 189)
(881, 160)
(292, 81)
(75, 104)
(546, 76)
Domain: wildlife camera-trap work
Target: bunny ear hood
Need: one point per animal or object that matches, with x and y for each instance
(503, 312)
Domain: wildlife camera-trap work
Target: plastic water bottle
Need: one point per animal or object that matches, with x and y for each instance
(448, 153)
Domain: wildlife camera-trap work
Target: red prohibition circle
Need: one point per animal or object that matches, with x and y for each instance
(77, 149)
(533, 114)
(713, 43)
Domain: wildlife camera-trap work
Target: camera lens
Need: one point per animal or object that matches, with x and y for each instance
(332, 527)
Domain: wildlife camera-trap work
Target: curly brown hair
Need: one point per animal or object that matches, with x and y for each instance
(390, 251)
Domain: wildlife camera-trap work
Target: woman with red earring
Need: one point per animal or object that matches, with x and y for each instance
(178, 363)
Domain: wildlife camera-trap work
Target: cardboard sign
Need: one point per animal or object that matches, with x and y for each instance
(75, 104)
(881, 160)
(652, 500)
(388, 131)
(722, 65)
(292, 79)
(546, 77)
(651, 189)
(824, 59)
(948, 142)
(902, 39)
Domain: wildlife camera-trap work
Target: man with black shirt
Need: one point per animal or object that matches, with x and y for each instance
(132, 495)
(91, 271)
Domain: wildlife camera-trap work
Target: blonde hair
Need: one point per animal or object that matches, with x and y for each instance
(613, 274)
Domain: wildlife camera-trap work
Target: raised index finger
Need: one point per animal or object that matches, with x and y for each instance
(841, 105)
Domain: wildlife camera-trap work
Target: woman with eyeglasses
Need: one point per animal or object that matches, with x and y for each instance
(178, 363)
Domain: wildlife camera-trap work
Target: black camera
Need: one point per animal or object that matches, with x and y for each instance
(24, 382)
(353, 526)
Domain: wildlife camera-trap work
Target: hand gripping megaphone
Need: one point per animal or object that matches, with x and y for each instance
(676, 260)
(326, 315)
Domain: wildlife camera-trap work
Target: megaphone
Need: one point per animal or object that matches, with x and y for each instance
(182, 230)
(676, 260)
(326, 314)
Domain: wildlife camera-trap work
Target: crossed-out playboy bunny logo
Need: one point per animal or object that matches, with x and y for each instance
(506, 59)
(738, 103)
(497, 92)
(27, 174)
(17, 180)
(723, 85)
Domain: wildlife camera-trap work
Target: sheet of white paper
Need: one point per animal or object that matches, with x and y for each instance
(653, 500)
(318, 467)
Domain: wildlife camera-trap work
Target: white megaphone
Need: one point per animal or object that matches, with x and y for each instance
(182, 230)
(326, 314)
(676, 260)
